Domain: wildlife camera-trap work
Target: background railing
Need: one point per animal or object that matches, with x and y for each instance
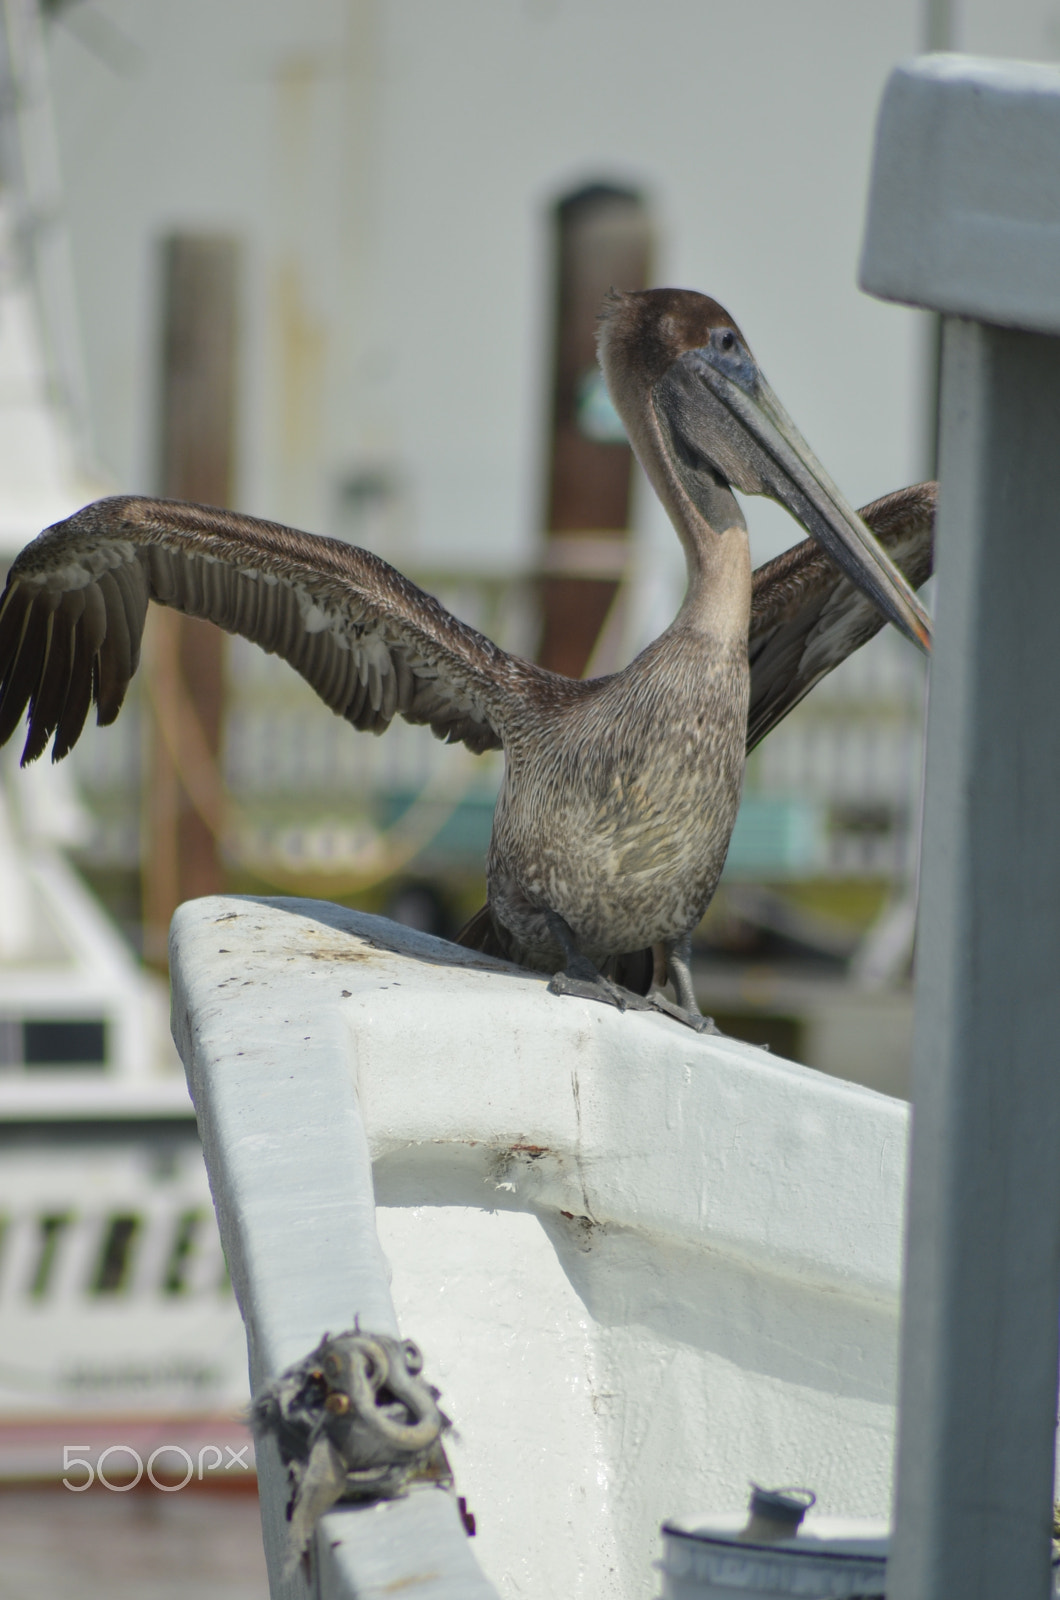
(833, 792)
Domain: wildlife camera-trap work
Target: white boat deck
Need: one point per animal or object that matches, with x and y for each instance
(644, 1266)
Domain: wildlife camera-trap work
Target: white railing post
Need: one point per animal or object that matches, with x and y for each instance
(964, 219)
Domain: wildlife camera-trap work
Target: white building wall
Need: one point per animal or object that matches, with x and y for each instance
(390, 165)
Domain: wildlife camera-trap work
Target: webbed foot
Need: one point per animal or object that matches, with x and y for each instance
(591, 985)
(692, 1018)
(580, 978)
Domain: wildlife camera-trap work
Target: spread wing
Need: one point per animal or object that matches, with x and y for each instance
(371, 643)
(807, 616)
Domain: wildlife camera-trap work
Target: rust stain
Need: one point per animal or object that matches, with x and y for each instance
(409, 1583)
(581, 1230)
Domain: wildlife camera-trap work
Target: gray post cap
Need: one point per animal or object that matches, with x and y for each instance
(964, 204)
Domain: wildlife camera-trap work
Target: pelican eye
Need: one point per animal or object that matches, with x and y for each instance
(726, 353)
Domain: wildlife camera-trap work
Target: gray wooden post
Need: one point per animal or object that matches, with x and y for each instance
(964, 218)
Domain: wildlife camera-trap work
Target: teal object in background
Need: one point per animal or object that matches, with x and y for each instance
(463, 834)
(776, 837)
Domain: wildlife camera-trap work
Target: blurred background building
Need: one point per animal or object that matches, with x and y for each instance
(418, 209)
(393, 190)
(336, 262)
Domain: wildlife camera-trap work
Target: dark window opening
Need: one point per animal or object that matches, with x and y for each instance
(115, 1258)
(174, 1280)
(51, 1232)
(876, 820)
(73, 1042)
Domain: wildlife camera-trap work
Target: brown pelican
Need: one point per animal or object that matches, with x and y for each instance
(806, 618)
(619, 793)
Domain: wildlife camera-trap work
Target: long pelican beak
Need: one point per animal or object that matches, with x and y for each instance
(724, 412)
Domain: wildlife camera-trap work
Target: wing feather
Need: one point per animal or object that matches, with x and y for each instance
(28, 661)
(49, 697)
(14, 620)
(87, 640)
(371, 643)
(807, 616)
(133, 587)
(355, 704)
(116, 661)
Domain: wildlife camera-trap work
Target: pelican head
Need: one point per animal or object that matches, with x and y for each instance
(698, 409)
